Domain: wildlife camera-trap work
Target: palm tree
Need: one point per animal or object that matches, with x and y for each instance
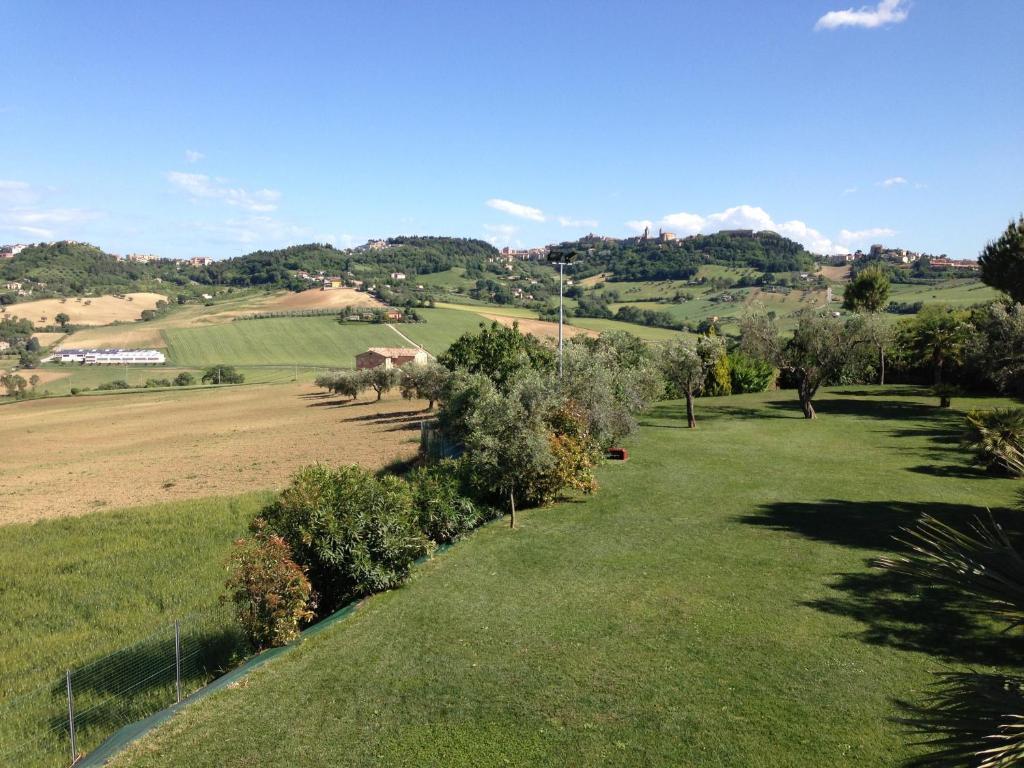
(997, 439)
(971, 718)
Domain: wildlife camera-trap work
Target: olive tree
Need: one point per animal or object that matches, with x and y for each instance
(611, 378)
(426, 381)
(685, 368)
(819, 350)
(382, 379)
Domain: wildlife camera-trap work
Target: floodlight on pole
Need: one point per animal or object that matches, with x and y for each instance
(561, 258)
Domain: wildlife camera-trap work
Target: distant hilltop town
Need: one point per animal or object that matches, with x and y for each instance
(13, 249)
(903, 256)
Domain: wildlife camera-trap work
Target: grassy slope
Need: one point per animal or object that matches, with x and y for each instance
(299, 340)
(711, 606)
(108, 579)
(441, 328)
(958, 293)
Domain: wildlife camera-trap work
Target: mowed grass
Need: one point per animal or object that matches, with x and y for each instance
(712, 605)
(318, 341)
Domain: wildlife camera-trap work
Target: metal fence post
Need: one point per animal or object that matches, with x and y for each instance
(71, 720)
(177, 659)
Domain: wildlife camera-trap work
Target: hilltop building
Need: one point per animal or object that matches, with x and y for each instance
(10, 251)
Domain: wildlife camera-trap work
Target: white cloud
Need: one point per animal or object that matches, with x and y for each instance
(684, 223)
(21, 212)
(740, 217)
(849, 190)
(565, 221)
(191, 156)
(500, 234)
(200, 186)
(45, 222)
(639, 225)
(860, 235)
(866, 17)
(892, 181)
(516, 209)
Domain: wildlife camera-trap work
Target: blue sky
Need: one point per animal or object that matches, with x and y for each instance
(197, 128)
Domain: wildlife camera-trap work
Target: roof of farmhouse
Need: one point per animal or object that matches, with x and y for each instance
(394, 351)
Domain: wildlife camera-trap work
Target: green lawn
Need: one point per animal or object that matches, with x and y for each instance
(319, 341)
(712, 605)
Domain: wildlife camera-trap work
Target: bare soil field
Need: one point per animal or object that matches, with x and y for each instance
(317, 299)
(117, 336)
(101, 310)
(540, 328)
(71, 456)
(839, 274)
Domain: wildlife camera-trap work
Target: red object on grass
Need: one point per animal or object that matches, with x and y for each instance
(619, 454)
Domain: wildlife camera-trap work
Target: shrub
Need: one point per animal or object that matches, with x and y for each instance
(150, 383)
(718, 380)
(222, 374)
(997, 439)
(748, 374)
(444, 513)
(115, 384)
(184, 379)
(75, 390)
(271, 593)
(355, 533)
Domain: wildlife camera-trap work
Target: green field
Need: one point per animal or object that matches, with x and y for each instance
(77, 589)
(319, 341)
(712, 605)
(957, 293)
(602, 325)
(445, 281)
(441, 328)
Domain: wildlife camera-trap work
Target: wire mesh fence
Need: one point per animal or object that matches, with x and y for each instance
(52, 726)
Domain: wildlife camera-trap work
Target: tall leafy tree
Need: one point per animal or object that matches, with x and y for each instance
(1002, 261)
(498, 352)
(868, 291)
(868, 294)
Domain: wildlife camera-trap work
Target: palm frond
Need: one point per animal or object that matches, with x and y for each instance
(967, 720)
(981, 561)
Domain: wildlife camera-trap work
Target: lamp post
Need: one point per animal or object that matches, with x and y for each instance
(561, 258)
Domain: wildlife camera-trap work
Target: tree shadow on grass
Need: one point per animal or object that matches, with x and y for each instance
(894, 609)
